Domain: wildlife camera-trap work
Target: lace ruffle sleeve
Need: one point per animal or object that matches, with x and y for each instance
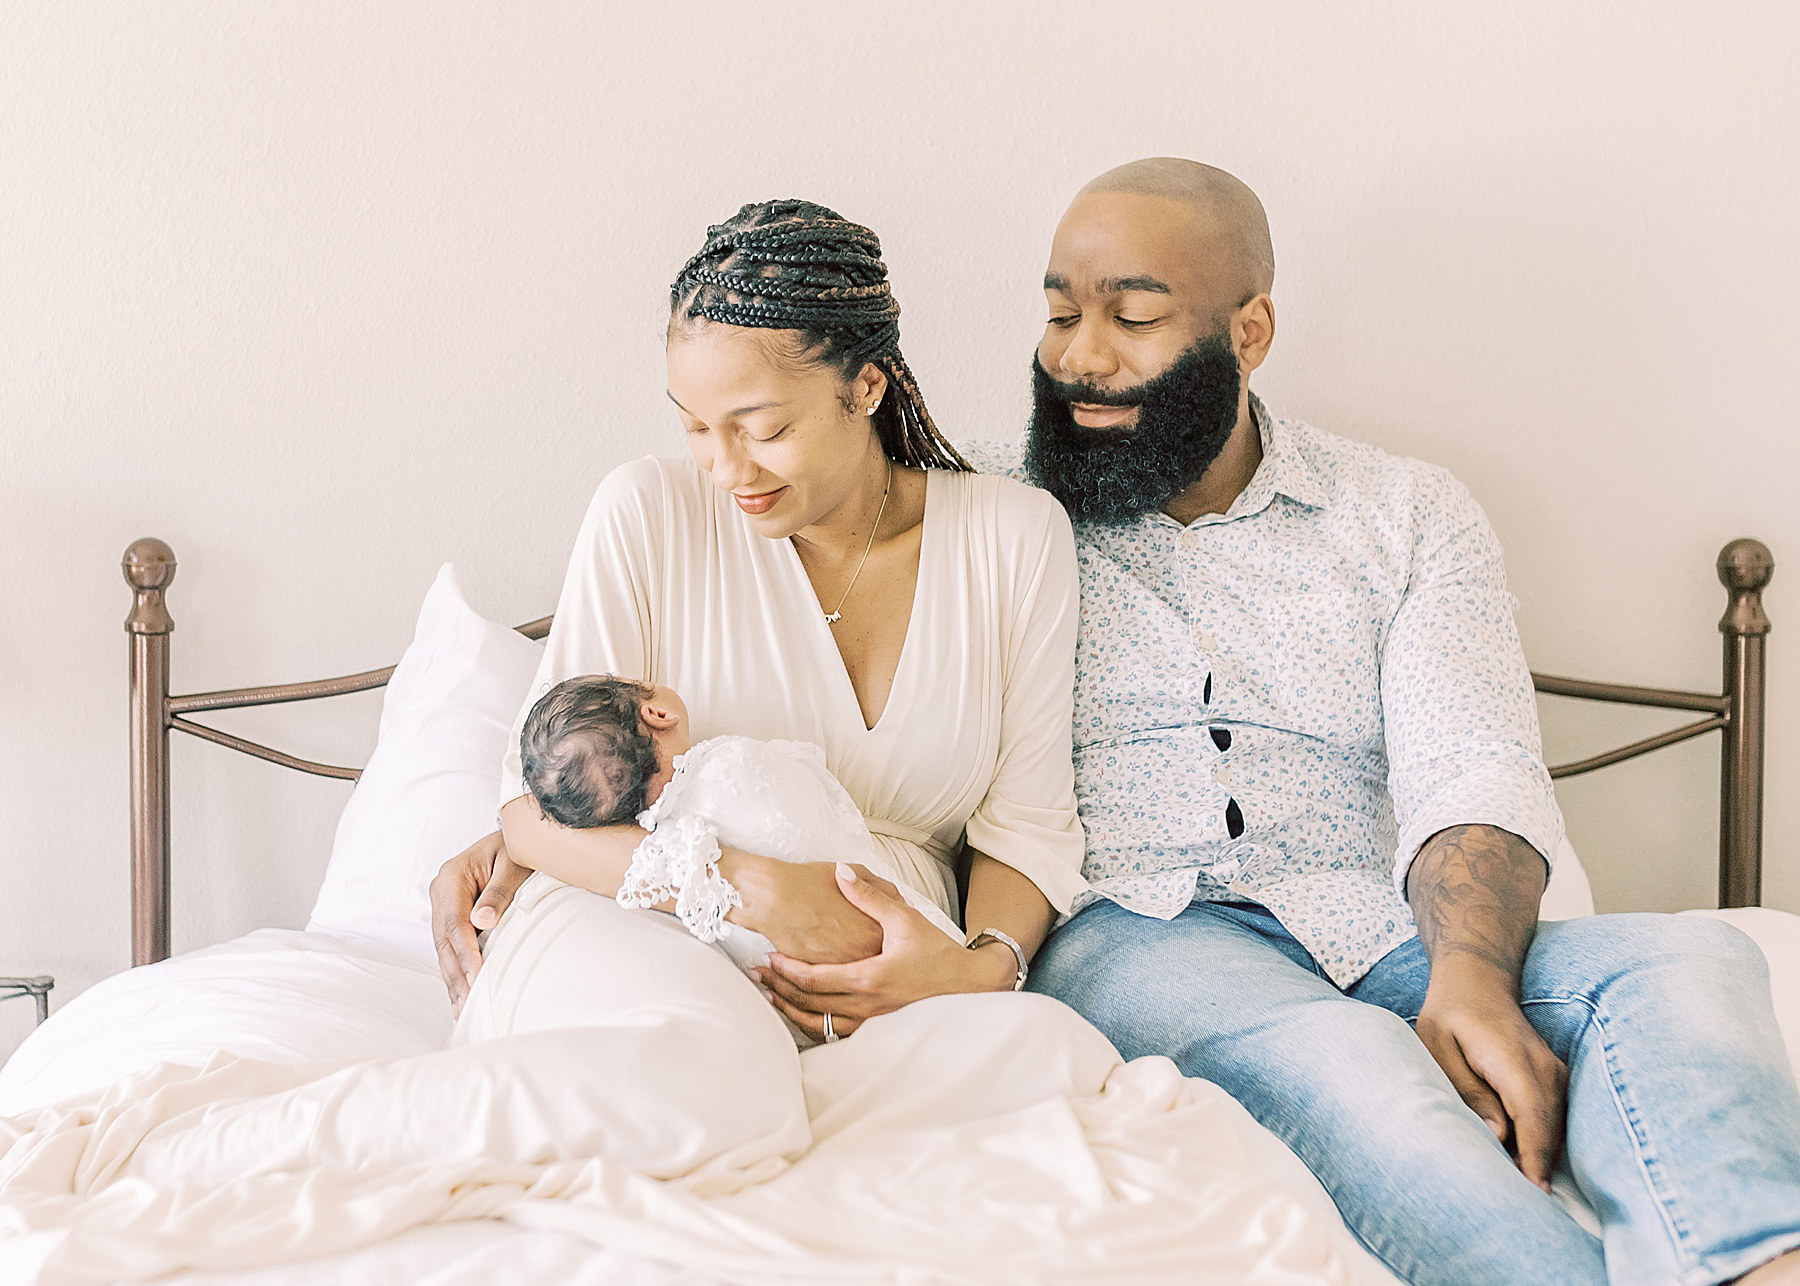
(680, 860)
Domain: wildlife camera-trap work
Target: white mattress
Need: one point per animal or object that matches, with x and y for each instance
(289, 996)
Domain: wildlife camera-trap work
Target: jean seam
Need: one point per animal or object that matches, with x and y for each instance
(1662, 1195)
(1395, 1251)
(1704, 1273)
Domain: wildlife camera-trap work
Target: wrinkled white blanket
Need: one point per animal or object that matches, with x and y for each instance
(1045, 1159)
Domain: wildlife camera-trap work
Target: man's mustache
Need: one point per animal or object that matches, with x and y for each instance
(1081, 393)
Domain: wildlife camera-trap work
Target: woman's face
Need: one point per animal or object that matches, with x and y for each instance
(788, 440)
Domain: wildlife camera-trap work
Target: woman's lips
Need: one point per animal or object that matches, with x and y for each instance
(760, 504)
(1089, 416)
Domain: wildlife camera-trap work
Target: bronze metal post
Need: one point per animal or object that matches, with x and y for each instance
(1745, 567)
(149, 566)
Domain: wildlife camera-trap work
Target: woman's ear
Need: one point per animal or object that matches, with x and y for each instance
(868, 388)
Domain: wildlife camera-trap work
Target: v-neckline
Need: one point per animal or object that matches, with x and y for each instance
(847, 689)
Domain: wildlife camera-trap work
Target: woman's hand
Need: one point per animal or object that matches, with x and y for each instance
(468, 894)
(917, 960)
(799, 908)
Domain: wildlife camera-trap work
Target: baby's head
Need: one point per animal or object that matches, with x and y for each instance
(597, 749)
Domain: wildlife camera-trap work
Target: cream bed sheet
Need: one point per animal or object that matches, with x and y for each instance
(287, 996)
(283, 996)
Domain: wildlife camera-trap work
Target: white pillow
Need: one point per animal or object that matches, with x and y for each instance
(1778, 934)
(1568, 896)
(431, 787)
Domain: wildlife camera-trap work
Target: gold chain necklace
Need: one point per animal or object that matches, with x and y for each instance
(836, 614)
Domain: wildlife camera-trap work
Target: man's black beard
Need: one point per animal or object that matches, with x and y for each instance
(1185, 416)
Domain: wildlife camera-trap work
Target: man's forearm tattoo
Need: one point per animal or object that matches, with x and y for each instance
(1475, 891)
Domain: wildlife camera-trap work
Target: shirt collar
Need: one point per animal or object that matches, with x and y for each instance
(1285, 470)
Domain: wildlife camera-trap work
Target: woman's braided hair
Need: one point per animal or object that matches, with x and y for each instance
(793, 265)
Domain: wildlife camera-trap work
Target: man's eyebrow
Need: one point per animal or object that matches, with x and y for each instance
(1120, 285)
(736, 412)
(1111, 285)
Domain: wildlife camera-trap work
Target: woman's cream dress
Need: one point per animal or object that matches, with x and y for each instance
(669, 583)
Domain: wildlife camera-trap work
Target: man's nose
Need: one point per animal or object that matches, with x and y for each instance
(1087, 355)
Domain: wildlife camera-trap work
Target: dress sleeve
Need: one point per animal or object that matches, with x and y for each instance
(1456, 694)
(602, 621)
(1028, 819)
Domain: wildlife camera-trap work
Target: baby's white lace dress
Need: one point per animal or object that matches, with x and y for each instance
(774, 798)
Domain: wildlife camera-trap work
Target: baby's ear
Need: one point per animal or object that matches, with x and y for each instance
(657, 716)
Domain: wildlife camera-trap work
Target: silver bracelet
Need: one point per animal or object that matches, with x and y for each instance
(995, 935)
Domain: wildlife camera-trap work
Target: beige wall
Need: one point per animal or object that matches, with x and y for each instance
(327, 293)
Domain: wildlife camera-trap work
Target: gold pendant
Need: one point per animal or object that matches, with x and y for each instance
(832, 618)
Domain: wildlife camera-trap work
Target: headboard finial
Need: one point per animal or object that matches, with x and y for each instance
(149, 566)
(1745, 569)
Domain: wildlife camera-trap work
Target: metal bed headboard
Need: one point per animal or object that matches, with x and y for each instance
(1744, 566)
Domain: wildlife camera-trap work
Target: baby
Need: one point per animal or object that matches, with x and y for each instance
(598, 750)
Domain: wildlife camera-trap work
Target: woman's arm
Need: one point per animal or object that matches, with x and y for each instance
(594, 859)
(472, 890)
(1001, 898)
(798, 908)
(1028, 819)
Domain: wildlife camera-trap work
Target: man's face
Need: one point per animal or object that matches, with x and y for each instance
(1138, 383)
(1133, 282)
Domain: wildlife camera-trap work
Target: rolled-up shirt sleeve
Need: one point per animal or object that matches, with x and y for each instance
(602, 621)
(1028, 818)
(1459, 711)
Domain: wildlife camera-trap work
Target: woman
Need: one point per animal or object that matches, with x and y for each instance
(831, 573)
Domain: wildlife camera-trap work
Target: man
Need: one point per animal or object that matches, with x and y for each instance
(1302, 712)
(1318, 820)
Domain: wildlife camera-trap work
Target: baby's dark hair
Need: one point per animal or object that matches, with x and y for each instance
(586, 754)
(793, 265)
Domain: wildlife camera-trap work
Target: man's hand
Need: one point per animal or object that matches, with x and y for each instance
(468, 894)
(1475, 892)
(799, 907)
(1476, 1031)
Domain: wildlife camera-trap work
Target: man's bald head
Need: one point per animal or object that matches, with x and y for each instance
(1157, 293)
(1229, 212)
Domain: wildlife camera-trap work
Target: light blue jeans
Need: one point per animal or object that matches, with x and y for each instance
(1684, 1121)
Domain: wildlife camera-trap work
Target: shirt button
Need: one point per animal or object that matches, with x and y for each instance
(1205, 642)
(1224, 777)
